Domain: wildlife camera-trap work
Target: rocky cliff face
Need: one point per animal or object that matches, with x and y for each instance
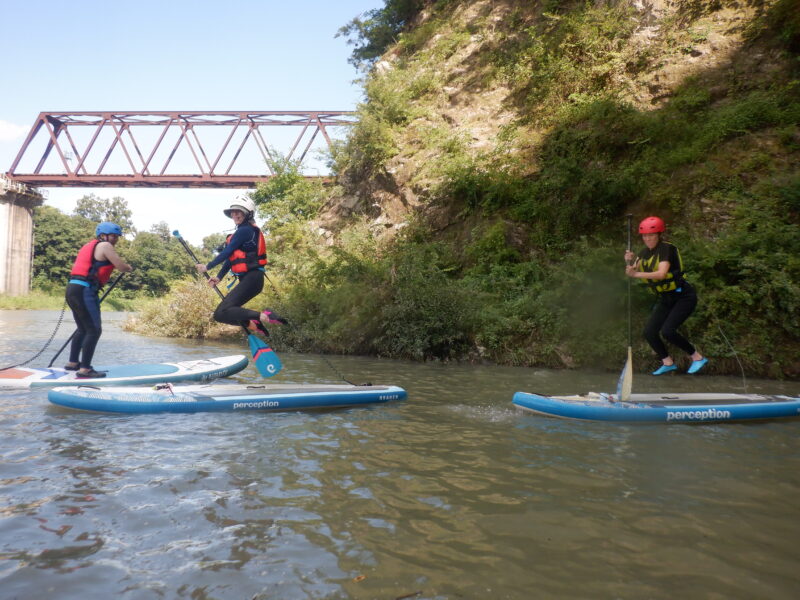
(469, 81)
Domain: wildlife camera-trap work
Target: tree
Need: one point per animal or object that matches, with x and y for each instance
(156, 256)
(162, 230)
(57, 239)
(212, 243)
(99, 209)
(158, 261)
(288, 195)
(379, 29)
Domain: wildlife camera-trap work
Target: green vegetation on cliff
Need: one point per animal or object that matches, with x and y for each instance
(479, 211)
(518, 135)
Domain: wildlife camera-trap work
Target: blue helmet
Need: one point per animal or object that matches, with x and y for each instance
(107, 228)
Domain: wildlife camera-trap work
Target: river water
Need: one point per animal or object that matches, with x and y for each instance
(450, 494)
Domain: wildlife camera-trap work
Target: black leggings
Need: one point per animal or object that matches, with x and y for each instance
(230, 310)
(86, 312)
(671, 310)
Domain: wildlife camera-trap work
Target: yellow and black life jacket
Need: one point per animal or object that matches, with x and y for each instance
(649, 261)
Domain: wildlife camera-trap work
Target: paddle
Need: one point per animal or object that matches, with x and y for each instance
(267, 362)
(625, 383)
(103, 297)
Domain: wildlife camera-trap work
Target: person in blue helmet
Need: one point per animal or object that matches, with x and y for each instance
(90, 272)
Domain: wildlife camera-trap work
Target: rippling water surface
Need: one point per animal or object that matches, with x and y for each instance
(449, 494)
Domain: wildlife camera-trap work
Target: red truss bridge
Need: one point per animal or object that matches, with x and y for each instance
(227, 149)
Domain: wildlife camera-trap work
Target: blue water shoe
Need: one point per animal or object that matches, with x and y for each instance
(697, 365)
(665, 369)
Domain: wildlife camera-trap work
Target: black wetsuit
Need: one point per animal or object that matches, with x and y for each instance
(677, 299)
(250, 284)
(85, 305)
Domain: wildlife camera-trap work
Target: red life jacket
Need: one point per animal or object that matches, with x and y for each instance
(242, 262)
(86, 268)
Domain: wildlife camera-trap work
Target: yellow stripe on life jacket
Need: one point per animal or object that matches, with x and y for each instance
(672, 281)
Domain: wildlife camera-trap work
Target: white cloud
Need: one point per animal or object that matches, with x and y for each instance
(9, 131)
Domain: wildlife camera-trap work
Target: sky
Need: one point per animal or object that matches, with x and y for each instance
(95, 55)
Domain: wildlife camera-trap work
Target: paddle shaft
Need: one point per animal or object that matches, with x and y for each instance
(208, 277)
(103, 297)
(194, 258)
(625, 382)
(630, 227)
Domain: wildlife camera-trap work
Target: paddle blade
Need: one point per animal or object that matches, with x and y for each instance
(267, 362)
(625, 383)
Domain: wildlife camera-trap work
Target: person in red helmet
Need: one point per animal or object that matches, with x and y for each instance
(659, 265)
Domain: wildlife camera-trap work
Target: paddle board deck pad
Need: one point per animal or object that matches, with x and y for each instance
(215, 398)
(662, 408)
(189, 370)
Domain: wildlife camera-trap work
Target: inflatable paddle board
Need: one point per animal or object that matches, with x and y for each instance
(189, 370)
(215, 398)
(662, 408)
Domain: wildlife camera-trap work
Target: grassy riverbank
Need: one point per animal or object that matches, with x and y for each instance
(40, 300)
(35, 300)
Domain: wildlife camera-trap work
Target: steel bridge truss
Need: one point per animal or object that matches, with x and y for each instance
(226, 149)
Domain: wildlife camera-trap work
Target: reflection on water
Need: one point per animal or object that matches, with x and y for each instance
(450, 494)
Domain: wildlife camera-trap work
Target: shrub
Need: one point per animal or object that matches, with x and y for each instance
(185, 312)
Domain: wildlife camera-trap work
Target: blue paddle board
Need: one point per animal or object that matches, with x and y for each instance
(662, 408)
(217, 398)
(188, 370)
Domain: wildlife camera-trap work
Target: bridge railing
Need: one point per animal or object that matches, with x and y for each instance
(168, 149)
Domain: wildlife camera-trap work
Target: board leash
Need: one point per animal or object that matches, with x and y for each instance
(46, 344)
(324, 359)
(735, 355)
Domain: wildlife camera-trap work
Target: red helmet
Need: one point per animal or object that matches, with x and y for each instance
(652, 225)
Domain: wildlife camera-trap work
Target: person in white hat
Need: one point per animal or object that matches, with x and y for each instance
(244, 255)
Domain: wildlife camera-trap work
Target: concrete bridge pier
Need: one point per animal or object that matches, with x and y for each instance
(17, 202)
